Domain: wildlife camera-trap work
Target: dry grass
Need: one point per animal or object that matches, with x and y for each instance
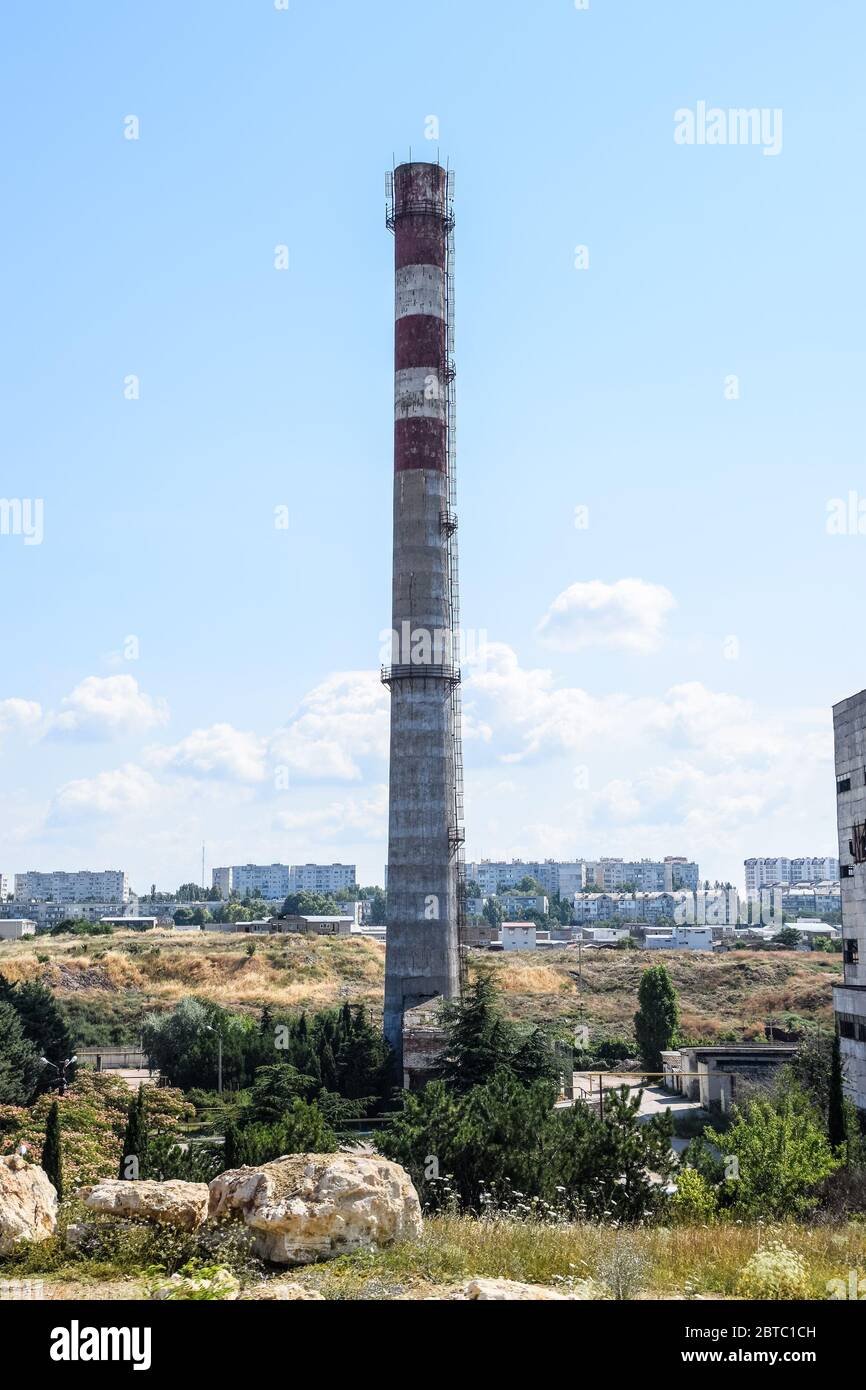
(733, 993)
(680, 1262)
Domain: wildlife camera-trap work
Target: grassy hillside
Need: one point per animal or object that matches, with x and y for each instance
(107, 984)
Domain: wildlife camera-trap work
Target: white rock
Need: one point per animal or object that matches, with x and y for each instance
(308, 1207)
(28, 1203)
(174, 1203)
(501, 1290)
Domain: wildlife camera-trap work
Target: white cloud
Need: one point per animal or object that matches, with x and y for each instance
(342, 720)
(220, 751)
(123, 791)
(628, 614)
(688, 770)
(105, 707)
(17, 716)
(366, 818)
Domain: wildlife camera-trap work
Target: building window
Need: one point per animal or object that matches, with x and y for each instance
(851, 953)
(858, 843)
(846, 1028)
(846, 871)
(843, 784)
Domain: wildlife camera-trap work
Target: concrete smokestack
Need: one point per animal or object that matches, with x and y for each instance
(425, 811)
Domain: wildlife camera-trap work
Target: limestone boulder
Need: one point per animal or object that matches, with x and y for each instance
(28, 1203)
(175, 1203)
(510, 1290)
(308, 1207)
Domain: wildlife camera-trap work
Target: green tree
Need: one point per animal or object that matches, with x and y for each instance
(52, 1150)
(479, 1041)
(19, 1060)
(135, 1140)
(788, 937)
(780, 1154)
(492, 910)
(503, 1142)
(379, 909)
(657, 1020)
(43, 1024)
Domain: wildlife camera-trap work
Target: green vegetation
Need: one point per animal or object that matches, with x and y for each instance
(52, 1152)
(657, 1020)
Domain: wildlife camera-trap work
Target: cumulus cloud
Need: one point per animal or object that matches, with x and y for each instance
(107, 707)
(19, 716)
(123, 791)
(629, 614)
(342, 720)
(219, 751)
(689, 769)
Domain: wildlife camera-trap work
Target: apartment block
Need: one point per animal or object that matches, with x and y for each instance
(322, 878)
(270, 881)
(107, 885)
(849, 999)
(772, 871)
(646, 875)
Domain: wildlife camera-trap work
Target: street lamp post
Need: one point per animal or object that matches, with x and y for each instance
(60, 1068)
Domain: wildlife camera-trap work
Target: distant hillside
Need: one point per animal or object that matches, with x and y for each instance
(107, 984)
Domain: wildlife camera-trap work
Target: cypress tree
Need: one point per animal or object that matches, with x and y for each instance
(52, 1152)
(836, 1130)
(134, 1140)
(657, 1020)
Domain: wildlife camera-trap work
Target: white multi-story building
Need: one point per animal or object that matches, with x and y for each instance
(647, 875)
(771, 871)
(629, 907)
(4, 888)
(275, 881)
(253, 880)
(322, 878)
(849, 999)
(108, 885)
(493, 874)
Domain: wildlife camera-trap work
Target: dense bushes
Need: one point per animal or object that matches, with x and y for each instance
(31, 1027)
(504, 1141)
(337, 1050)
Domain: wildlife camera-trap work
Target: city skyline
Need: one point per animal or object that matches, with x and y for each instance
(634, 675)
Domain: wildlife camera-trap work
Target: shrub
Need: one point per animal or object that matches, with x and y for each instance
(774, 1271)
(623, 1269)
(781, 1155)
(694, 1203)
(201, 1283)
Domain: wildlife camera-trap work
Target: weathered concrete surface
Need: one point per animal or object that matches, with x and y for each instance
(309, 1207)
(28, 1203)
(173, 1203)
(422, 951)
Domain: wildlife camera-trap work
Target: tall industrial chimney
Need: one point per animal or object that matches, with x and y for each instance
(425, 832)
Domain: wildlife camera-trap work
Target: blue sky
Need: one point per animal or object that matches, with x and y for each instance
(677, 697)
